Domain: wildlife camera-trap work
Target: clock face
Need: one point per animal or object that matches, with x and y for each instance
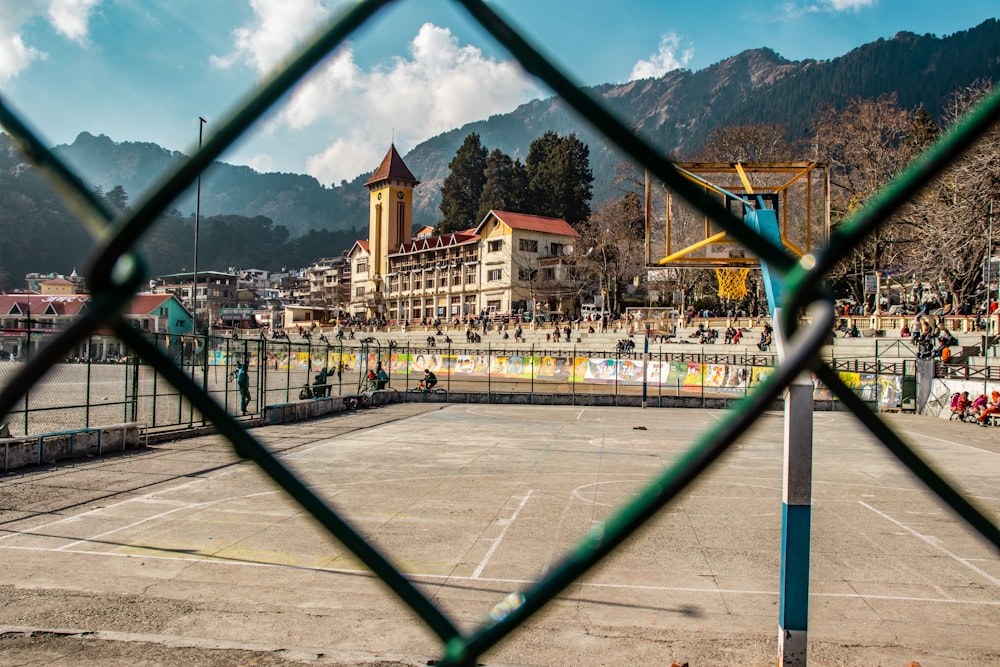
(399, 195)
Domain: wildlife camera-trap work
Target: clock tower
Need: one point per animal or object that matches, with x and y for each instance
(390, 217)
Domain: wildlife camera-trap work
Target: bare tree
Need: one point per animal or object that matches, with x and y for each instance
(950, 216)
(748, 143)
(866, 145)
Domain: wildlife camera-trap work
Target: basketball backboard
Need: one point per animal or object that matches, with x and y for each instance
(798, 192)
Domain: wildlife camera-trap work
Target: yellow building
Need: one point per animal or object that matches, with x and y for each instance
(508, 264)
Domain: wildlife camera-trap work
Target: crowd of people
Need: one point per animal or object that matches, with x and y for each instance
(976, 411)
(932, 340)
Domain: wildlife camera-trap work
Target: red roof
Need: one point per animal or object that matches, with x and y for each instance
(392, 167)
(144, 304)
(534, 223)
(43, 304)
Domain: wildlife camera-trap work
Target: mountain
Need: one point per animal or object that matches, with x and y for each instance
(676, 113)
(297, 202)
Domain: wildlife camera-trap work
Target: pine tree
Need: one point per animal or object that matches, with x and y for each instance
(462, 190)
(560, 180)
(506, 185)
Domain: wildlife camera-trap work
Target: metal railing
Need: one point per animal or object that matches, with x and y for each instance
(117, 273)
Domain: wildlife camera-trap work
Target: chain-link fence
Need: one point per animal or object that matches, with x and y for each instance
(117, 272)
(109, 385)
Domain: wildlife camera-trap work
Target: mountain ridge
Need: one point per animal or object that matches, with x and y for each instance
(675, 112)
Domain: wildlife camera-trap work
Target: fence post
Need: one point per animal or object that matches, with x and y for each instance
(288, 369)
(534, 369)
(572, 374)
(86, 414)
(204, 370)
(645, 367)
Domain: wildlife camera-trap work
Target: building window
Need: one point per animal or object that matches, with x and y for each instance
(556, 248)
(524, 275)
(359, 291)
(416, 283)
(495, 246)
(549, 274)
(527, 245)
(443, 281)
(470, 278)
(493, 275)
(362, 266)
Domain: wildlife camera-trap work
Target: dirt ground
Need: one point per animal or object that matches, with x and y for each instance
(185, 554)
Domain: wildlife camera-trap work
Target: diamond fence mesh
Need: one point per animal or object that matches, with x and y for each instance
(117, 273)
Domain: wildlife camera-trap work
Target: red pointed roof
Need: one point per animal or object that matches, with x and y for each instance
(534, 223)
(392, 167)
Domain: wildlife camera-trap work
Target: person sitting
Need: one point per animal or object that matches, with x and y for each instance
(960, 404)
(979, 405)
(737, 335)
(429, 380)
(992, 409)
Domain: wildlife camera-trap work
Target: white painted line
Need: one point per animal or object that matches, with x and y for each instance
(505, 584)
(74, 517)
(92, 538)
(499, 538)
(924, 436)
(932, 541)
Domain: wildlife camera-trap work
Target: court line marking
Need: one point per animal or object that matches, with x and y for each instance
(147, 497)
(499, 538)
(931, 541)
(922, 436)
(506, 583)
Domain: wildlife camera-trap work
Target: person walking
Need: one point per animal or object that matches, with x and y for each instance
(243, 385)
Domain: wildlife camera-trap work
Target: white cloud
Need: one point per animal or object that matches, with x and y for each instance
(355, 113)
(794, 9)
(277, 27)
(848, 5)
(667, 58)
(68, 17)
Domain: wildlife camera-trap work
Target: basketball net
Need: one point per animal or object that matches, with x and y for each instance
(732, 282)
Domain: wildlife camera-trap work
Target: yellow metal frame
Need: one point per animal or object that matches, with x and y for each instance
(798, 170)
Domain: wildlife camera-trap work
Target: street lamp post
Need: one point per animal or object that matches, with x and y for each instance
(197, 230)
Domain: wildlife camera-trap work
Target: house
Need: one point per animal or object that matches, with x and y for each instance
(159, 313)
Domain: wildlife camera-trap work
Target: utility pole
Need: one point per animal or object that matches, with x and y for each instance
(197, 233)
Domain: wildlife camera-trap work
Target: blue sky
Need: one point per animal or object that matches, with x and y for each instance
(145, 70)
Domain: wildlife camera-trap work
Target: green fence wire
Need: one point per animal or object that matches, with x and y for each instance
(117, 273)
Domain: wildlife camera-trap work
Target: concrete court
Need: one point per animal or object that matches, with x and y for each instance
(183, 554)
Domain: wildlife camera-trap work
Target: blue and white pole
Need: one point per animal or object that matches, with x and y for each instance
(796, 505)
(796, 516)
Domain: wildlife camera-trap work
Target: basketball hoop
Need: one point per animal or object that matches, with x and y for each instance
(732, 282)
